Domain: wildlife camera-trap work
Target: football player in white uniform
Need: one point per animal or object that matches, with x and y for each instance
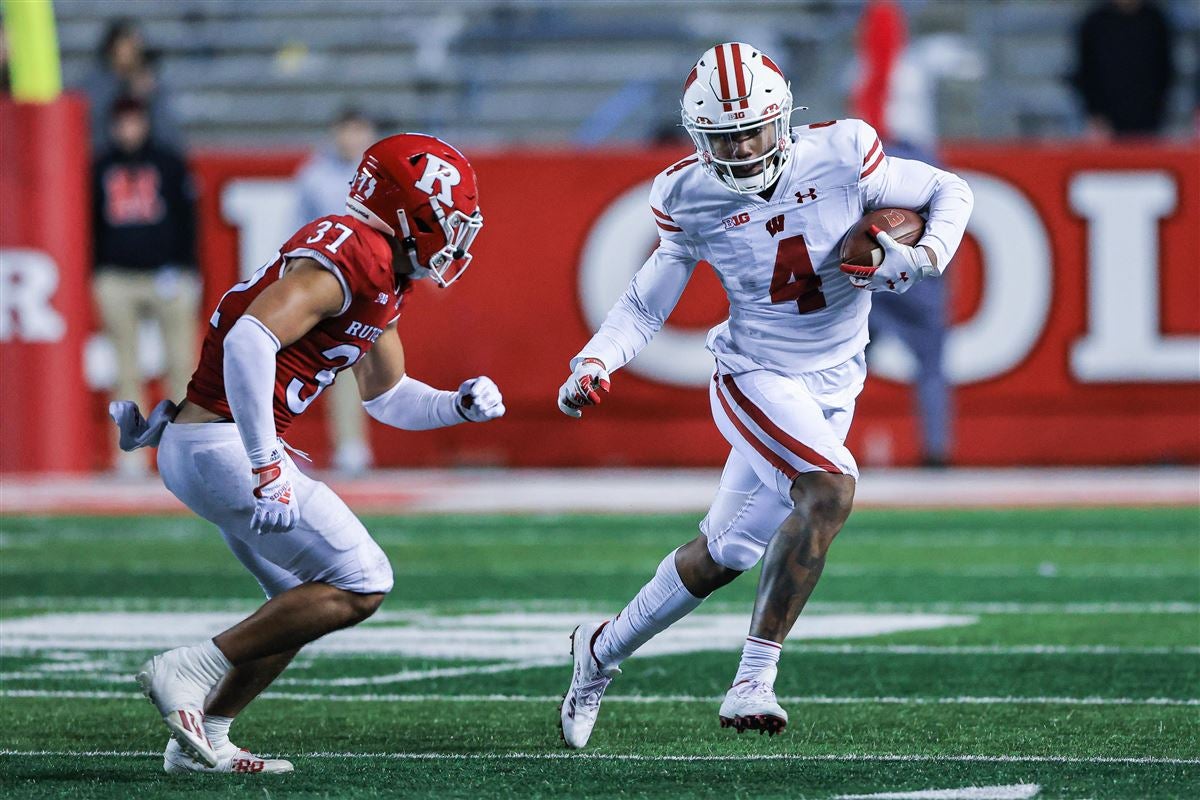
(767, 205)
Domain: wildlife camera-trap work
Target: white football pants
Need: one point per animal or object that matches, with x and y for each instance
(779, 427)
(206, 467)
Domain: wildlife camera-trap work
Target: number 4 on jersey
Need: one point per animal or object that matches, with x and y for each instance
(794, 277)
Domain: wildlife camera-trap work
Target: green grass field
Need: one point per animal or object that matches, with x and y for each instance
(942, 650)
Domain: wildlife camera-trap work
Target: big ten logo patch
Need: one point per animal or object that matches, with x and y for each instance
(736, 219)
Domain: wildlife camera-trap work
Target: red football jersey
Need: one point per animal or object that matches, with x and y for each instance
(360, 257)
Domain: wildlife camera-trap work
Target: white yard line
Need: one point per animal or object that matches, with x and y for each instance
(566, 756)
(644, 699)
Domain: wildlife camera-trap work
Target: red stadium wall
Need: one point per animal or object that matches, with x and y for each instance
(45, 308)
(1074, 346)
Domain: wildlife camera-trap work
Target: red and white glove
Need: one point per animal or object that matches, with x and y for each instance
(902, 266)
(587, 386)
(276, 506)
(479, 400)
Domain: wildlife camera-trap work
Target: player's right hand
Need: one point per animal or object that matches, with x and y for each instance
(587, 386)
(276, 506)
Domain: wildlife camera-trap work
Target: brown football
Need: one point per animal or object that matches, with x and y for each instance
(859, 246)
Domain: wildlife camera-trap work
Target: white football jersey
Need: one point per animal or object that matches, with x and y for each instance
(791, 309)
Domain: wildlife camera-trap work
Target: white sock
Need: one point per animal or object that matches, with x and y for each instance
(217, 730)
(758, 656)
(659, 604)
(209, 663)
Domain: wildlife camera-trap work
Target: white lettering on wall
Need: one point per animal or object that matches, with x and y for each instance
(265, 214)
(1124, 341)
(28, 281)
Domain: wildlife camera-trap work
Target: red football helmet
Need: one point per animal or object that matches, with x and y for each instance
(423, 191)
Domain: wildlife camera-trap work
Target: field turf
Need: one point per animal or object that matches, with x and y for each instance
(1050, 653)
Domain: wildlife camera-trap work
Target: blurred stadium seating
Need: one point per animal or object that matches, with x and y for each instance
(498, 72)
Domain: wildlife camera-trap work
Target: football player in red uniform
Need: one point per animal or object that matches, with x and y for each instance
(329, 300)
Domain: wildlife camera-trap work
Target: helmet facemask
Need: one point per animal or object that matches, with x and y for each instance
(447, 263)
(716, 142)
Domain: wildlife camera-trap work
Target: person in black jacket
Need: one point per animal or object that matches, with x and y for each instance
(1125, 68)
(144, 227)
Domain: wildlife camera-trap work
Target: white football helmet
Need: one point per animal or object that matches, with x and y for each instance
(734, 91)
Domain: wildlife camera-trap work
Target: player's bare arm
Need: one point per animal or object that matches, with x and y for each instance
(290, 307)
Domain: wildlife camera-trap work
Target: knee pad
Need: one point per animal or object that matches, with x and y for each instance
(376, 569)
(740, 525)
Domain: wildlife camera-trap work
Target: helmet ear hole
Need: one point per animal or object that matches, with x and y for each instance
(422, 225)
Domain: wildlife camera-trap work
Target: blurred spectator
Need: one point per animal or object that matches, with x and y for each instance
(5, 72)
(897, 94)
(144, 227)
(1125, 67)
(125, 68)
(322, 184)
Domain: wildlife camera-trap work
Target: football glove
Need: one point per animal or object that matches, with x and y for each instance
(276, 506)
(587, 386)
(479, 400)
(902, 267)
(137, 432)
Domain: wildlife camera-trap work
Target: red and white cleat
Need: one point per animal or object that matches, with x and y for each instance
(170, 682)
(581, 704)
(751, 706)
(229, 759)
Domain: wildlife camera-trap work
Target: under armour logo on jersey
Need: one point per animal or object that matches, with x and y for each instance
(445, 173)
(775, 225)
(811, 194)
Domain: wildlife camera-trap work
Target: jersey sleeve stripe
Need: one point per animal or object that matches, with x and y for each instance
(661, 215)
(320, 258)
(871, 153)
(778, 434)
(666, 227)
(770, 455)
(874, 165)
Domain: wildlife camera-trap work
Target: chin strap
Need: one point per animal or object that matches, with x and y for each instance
(409, 243)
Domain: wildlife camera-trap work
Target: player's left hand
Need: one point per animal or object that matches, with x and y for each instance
(276, 506)
(479, 400)
(902, 267)
(588, 386)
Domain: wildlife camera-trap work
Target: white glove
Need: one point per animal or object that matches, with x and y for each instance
(276, 506)
(479, 400)
(902, 266)
(587, 386)
(135, 431)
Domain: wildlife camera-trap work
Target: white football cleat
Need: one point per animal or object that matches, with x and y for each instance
(174, 687)
(229, 759)
(581, 704)
(750, 705)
